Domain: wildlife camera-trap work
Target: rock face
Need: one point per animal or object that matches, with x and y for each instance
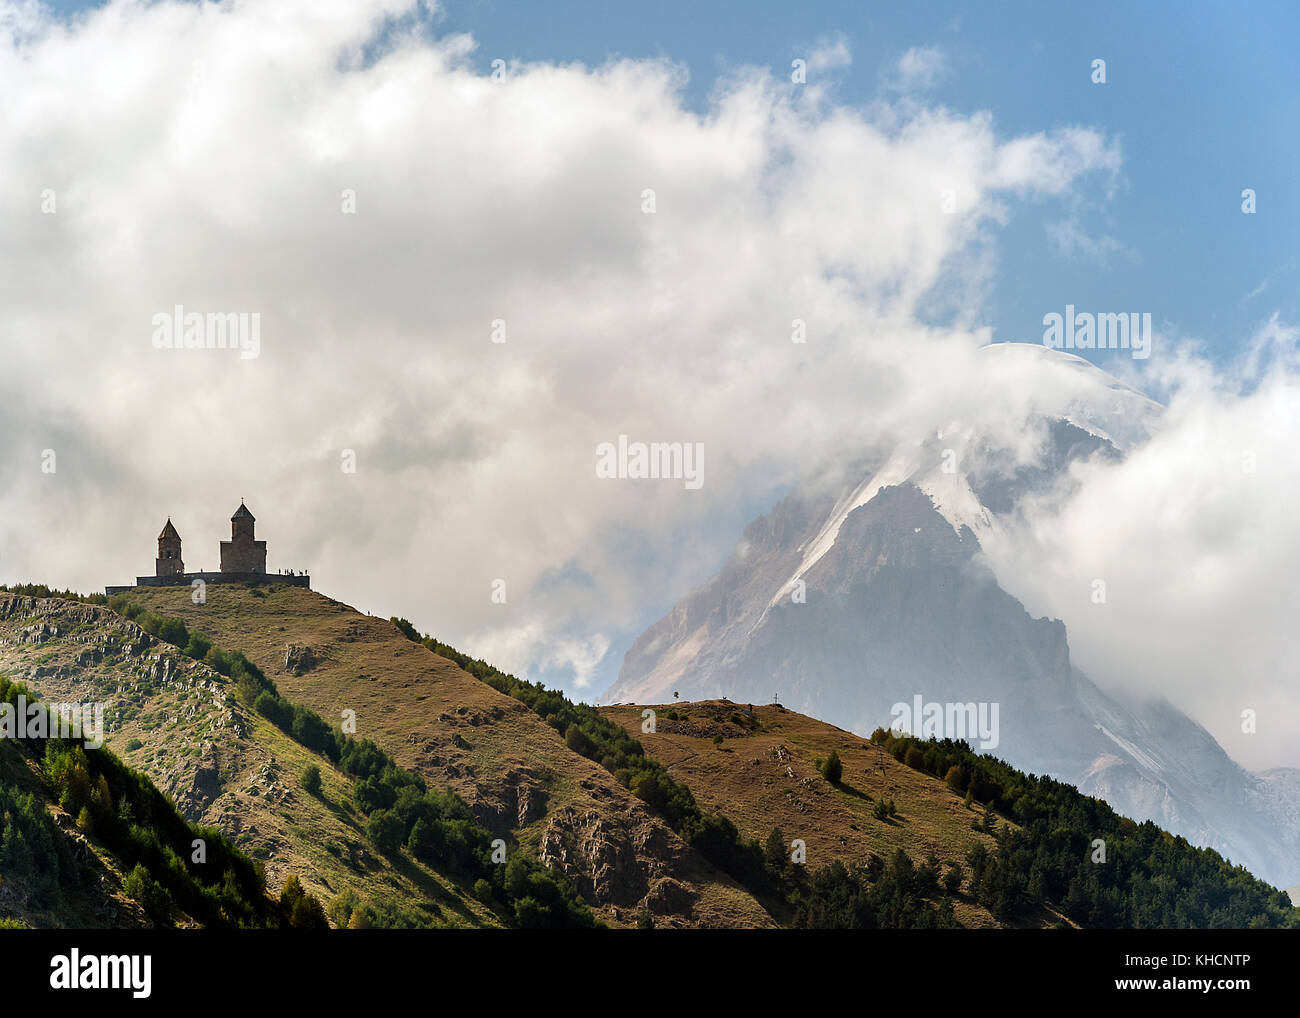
(891, 601)
(205, 787)
(299, 659)
(621, 862)
(898, 607)
(609, 844)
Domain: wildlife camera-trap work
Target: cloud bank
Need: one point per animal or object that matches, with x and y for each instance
(468, 281)
(1194, 536)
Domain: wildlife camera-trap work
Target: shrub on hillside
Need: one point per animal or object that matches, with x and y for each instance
(774, 852)
(420, 842)
(197, 647)
(310, 779)
(300, 910)
(385, 830)
(148, 894)
(578, 740)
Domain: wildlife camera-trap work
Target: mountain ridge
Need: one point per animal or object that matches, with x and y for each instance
(788, 609)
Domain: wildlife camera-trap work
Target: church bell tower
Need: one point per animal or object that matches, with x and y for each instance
(169, 552)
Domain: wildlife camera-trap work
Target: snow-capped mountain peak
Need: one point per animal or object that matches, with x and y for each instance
(1069, 390)
(898, 600)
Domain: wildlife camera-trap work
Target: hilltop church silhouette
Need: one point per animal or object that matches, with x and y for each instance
(242, 559)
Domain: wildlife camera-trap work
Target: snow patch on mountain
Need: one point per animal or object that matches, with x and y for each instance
(1080, 394)
(1145, 759)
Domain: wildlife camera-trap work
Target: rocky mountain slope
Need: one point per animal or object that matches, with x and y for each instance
(847, 603)
(178, 721)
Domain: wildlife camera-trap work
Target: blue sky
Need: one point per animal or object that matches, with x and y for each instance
(1204, 97)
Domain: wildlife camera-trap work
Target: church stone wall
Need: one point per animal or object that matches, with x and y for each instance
(243, 555)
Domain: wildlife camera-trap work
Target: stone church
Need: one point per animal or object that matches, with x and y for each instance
(243, 559)
(241, 554)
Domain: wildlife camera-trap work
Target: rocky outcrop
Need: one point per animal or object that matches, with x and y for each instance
(205, 786)
(598, 859)
(99, 656)
(299, 659)
(621, 862)
(668, 897)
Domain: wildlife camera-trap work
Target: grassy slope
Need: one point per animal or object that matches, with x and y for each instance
(437, 719)
(769, 778)
(513, 769)
(188, 726)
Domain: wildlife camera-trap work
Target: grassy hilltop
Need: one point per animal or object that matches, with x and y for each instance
(379, 770)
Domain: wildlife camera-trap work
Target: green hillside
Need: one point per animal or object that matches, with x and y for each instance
(463, 796)
(83, 835)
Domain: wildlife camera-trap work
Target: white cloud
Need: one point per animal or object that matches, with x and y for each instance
(199, 154)
(920, 69)
(1072, 241)
(831, 53)
(1194, 535)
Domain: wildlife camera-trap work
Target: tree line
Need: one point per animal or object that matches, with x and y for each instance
(1074, 854)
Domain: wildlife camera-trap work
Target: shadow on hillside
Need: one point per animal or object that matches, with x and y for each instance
(857, 793)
